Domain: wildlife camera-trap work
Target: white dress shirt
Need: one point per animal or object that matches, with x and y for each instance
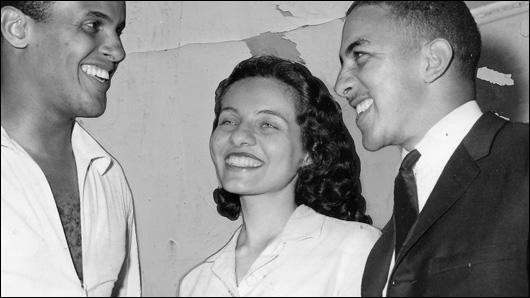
(436, 147)
(36, 260)
(314, 255)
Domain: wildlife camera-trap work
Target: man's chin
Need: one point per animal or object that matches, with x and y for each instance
(96, 109)
(91, 115)
(370, 145)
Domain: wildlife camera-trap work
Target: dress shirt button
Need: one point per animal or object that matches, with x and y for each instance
(394, 283)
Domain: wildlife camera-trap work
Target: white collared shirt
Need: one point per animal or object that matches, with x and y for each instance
(436, 148)
(314, 255)
(35, 257)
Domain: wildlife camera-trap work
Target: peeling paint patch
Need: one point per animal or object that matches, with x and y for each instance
(495, 77)
(276, 44)
(173, 24)
(284, 13)
(315, 12)
(498, 10)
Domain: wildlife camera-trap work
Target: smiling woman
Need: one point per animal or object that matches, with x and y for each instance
(288, 165)
(329, 183)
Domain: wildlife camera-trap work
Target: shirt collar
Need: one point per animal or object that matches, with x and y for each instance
(447, 133)
(304, 223)
(6, 140)
(86, 148)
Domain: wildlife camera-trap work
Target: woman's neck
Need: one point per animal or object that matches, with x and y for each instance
(264, 218)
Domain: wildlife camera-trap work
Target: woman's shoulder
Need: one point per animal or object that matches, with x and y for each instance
(203, 272)
(202, 269)
(192, 278)
(350, 231)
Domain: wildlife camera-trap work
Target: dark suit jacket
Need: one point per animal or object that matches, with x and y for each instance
(471, 238)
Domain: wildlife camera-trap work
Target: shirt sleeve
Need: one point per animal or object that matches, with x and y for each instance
(131, 286)
(355, 253)
(184, 288)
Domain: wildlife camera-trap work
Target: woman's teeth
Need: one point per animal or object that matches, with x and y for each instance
(242, 162)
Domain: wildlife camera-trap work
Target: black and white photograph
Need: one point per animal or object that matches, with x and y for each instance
(264, 148)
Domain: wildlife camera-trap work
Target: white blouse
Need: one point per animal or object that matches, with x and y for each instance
(314, 255)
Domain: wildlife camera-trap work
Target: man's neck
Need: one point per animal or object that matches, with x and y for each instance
(441, 101)
(39, 134)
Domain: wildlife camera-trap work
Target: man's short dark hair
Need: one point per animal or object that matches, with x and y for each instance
(428, 20)
(37, 10)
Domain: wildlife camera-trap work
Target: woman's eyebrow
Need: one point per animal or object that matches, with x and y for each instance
(274, 113)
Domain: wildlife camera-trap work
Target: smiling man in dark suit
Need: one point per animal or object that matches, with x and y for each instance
(460, 220)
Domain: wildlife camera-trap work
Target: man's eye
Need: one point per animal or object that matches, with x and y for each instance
(358, 55)
(92, 27)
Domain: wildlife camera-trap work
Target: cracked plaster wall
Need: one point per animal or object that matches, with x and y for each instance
(160, 110)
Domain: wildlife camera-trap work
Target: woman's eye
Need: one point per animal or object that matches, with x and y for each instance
(227, 122)
(268, 125)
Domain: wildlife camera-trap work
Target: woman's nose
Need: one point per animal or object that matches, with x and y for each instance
(243, 135)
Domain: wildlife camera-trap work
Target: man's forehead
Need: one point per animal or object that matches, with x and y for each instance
(365, 23)
(113, 10)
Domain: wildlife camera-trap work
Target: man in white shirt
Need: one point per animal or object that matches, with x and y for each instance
(460, 220)
(67, 215)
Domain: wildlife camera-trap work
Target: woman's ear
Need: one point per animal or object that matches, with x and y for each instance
(14, 25)
(307, 160)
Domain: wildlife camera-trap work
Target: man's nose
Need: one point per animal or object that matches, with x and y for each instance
(346, 83)
(112, 48)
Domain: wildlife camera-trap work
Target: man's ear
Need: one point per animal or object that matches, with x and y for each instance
(438, 55)
(14, 26)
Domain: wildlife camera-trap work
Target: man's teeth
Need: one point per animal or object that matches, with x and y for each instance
(243, 162)
(95, 71)
(364, 105)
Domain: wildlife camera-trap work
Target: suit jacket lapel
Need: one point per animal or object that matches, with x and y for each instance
(456, 177)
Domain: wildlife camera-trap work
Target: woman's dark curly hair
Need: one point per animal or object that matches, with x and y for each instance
(330, 184)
